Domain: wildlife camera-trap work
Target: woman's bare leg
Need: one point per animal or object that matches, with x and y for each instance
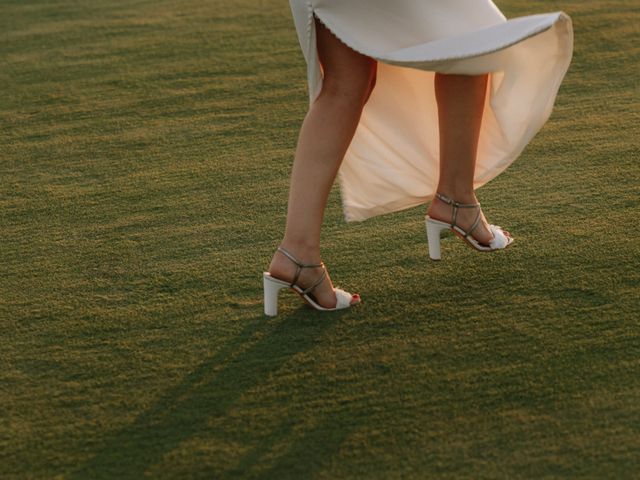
(325, 135)
(460, 107)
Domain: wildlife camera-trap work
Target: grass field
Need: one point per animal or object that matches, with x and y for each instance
(145, 148)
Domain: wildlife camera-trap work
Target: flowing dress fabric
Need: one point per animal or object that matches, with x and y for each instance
(392, 162)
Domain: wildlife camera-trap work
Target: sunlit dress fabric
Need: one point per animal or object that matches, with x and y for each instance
(393, 160)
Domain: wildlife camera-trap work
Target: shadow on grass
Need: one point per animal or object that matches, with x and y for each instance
(210, 391)
(307, 454)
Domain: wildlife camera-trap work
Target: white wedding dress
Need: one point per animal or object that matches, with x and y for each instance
(392, 162)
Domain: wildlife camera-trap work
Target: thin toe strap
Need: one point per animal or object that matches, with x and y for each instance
(318, 282)
(475, 224)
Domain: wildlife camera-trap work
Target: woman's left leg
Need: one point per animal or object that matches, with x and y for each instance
(460, 101)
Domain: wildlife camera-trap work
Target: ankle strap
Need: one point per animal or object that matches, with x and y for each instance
(451, 201)
(297, 262)
(299, 268)
(454, 214)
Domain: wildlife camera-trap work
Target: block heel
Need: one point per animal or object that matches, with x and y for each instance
(434, 229)
(272, 287)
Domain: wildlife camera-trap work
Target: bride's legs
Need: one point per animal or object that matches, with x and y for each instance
(460, 101)
(325, 135)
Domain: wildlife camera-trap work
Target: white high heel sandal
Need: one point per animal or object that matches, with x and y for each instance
(272, 287)
(434, 227)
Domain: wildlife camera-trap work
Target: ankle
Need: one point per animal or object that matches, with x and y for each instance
(302, 251)
(461, 195)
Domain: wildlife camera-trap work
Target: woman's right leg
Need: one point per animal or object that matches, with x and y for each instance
(325, 135)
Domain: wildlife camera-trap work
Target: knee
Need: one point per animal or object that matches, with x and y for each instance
(353, 87)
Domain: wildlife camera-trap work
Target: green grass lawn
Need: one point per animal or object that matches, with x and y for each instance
(145, 148)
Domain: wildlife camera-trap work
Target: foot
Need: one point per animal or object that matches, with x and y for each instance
(442, 211)
(284, 269)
